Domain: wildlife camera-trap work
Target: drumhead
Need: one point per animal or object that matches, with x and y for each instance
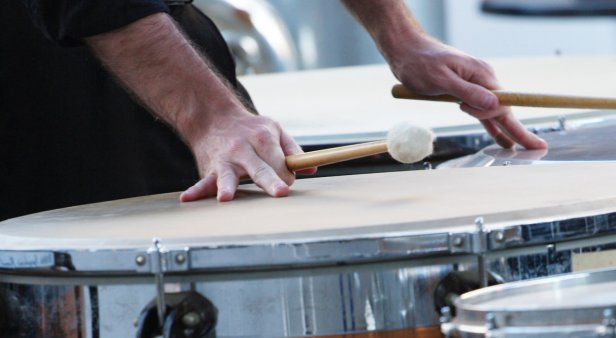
(591, 142)
(561, 306)
(334, 219)
(574, 291)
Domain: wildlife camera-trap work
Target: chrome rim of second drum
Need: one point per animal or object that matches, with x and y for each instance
(587, 142)
(474, 318)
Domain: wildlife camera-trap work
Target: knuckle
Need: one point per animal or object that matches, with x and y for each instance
(261, 172)
(486, 66)
(226, 177)
(235, 146)
(262, 135)
(467, 93)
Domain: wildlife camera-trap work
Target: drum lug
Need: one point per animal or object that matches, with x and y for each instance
(158, 261)
(562, 123)
(479, 245)
(503, 238)
(491, 323)
(447, 327)
(460, 242)
(173, 261)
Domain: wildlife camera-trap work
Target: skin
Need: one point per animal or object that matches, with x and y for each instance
(230, 143)
(429, 67)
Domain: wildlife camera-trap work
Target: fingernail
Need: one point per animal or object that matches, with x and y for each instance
(224, 196)
(186, 195)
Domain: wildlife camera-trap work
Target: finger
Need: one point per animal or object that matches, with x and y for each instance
(472, 94)
(494, 131)
(227, 181)
(514, 128)
(499, 137)
(483, 75)
(269, 149)
(205, 188)
(508, 126)
(265, 177)
(290, 147)
(288, 144)
(484, 114)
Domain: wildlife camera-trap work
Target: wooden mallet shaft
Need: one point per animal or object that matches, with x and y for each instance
(334, 155)
(507, 98)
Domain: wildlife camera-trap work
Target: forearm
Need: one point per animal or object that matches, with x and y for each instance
(389, 22)
(159, 66)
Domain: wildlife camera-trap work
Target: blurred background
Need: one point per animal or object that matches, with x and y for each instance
(283, 35)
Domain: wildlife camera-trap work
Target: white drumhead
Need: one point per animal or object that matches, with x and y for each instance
(555, 297)
(569, 305)
(346, 207)
(355, 103)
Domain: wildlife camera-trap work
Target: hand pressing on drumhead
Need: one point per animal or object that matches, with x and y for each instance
(237, 145)
(430, 67)
(182, 88)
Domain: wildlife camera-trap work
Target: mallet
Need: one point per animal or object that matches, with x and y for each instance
(406, 143)
(507, 98)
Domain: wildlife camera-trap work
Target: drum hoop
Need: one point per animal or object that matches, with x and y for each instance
(333, 250)
(532, 322)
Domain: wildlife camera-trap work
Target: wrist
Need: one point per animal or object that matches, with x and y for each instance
(206, 113)
(399, 35)
(395, 44)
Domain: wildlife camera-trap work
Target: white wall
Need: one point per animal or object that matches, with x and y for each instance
(327, 36)
(489, 35)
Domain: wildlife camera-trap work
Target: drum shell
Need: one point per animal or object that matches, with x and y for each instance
(323, 301)
(394, 296)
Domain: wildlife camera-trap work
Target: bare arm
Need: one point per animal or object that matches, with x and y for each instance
(432, 68)
(171, 84)
(157, 63)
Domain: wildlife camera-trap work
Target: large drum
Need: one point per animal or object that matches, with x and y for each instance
(581, 305)
(374, 255)
(339, 106)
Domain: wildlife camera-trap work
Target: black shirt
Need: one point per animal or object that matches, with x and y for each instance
(68, 133)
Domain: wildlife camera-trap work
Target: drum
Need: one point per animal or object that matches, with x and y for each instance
(581, 305)
(339, 106)
(587, 142)
(375, 255)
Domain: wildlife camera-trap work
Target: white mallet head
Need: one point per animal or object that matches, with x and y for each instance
(408, 143)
